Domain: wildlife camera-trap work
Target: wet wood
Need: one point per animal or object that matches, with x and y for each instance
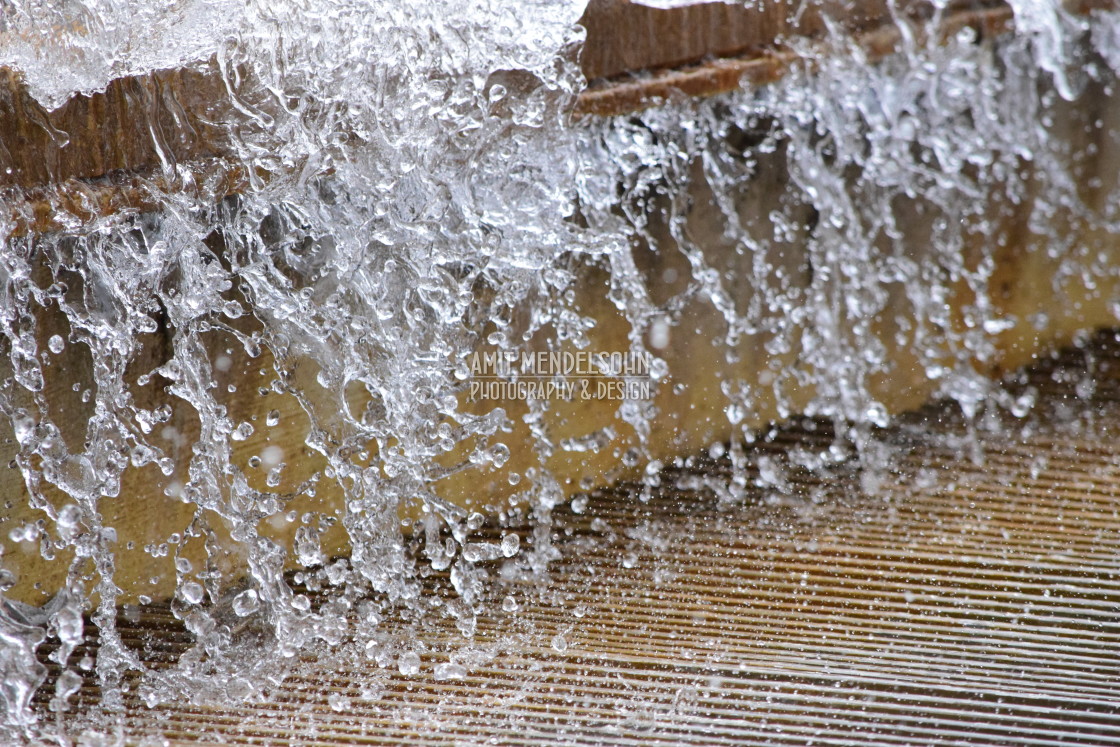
(154, 124)
(141, 124)
(625, 93)
(960, 602)
(625, 37)
(105, 153)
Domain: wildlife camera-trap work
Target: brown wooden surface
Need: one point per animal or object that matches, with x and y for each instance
(104, 153)
(624, 37)
(960, 603)
(623, 93)
(110, 152)
(149, 124)
(139, 123)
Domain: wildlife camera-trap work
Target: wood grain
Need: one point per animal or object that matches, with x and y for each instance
(625, 93)
(139, 123)
(957, 602)
(148, 125)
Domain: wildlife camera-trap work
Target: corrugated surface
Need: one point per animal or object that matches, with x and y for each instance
(958, 602)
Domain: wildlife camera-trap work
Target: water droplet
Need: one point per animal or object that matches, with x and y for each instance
(450, 671)
(242, 431)
(246, 603)
(272, 456)
(191, 592)
(409, 663)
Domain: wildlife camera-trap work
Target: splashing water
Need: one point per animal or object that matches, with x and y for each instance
(418, 190)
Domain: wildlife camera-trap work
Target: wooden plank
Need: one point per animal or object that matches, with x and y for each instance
(962, 602)
(626, 93)
(625, 37)
(140, 124)
(97, 154)
(145, 124)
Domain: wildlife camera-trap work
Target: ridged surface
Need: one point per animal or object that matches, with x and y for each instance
(949, 599)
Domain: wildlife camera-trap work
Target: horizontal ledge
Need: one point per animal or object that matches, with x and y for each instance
(83, 201)
(629, 93)
(107, 163)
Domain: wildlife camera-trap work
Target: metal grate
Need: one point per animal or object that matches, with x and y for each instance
(947, 599)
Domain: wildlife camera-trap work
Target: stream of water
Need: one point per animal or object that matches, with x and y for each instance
(419, 190)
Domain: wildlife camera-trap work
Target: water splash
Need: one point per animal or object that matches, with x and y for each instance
(902, 177)
(418, 191)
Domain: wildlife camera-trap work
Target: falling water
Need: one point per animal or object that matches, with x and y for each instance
(416, 190)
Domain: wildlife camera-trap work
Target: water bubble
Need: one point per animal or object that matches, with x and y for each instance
(499, 454)
(68, 683)
(475, 552)
(242, 432)
(69, 516)
(56, 344)
(192, 592)
(24, 426)
(246, 603)
(659, 333)
(274, 476)
(307, 547)
(996, 326)
(337, 572)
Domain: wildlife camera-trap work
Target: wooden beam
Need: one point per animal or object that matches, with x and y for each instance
(116, 151)
(641, 89)
(145, 126)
